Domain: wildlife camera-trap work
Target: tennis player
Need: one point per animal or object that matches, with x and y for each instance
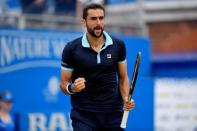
(89, 69)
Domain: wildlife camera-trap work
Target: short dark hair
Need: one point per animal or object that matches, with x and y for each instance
(92, 6)
(6, 96)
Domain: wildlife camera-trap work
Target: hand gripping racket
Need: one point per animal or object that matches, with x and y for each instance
(134, 78)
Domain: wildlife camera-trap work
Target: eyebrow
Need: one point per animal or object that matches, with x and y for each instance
(94, 17)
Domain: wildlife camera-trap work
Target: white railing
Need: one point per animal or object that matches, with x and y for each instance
(130, 18)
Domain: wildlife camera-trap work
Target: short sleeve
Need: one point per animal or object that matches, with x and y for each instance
(122, 53)
(67, 58)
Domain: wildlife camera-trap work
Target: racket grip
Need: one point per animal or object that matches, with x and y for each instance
(124, 119)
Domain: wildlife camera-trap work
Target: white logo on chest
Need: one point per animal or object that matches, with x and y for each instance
(108, 56)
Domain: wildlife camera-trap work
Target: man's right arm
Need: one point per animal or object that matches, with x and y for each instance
(66, 84)
(65, 80)
(77, 86)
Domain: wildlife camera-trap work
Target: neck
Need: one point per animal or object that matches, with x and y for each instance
(5, 116)
(3, 112)
(94, 41)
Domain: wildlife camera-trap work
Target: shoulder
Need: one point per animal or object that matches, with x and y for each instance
(117, 41)
(74, 42)
(71, 45)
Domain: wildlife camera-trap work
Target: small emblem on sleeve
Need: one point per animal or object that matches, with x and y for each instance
(64, 64)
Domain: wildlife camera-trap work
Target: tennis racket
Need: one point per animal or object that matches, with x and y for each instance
(134, 78)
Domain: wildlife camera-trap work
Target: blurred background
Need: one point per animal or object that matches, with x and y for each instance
(33, 34)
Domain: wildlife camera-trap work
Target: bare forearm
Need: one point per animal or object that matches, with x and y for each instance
(65, 80)
(63, 86)
(124, 88)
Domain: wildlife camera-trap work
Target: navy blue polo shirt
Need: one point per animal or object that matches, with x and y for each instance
(101, 93)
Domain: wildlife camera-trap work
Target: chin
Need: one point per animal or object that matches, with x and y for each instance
(98, 35)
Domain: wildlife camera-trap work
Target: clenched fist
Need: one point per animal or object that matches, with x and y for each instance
(78, 85)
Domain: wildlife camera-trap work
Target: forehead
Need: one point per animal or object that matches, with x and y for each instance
(95, 12)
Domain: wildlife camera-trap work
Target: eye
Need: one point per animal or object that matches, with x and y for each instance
(101, 18)
(93, 18)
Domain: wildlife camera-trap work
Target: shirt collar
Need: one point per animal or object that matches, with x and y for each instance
(86, 44)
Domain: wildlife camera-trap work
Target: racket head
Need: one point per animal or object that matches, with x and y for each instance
(135, 72)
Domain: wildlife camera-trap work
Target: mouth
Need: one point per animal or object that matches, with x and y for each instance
(98, 28)
(98, 31)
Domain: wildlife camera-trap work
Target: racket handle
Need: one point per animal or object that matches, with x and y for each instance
(124, 119)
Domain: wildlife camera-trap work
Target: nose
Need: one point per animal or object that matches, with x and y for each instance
(98, 21)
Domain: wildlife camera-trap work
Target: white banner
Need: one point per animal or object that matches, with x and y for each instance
(175, 104)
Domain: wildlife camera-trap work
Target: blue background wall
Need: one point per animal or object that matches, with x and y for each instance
(30, 69)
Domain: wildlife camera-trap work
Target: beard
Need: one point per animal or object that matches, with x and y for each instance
(93, 33)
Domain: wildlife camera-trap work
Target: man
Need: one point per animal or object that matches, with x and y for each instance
(6, 122)
(89, 68)
(33, 6)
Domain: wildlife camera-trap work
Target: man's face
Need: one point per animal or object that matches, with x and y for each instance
(6, 105)
(95, 22)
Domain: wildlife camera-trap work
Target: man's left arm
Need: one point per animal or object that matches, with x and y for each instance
(125, 86)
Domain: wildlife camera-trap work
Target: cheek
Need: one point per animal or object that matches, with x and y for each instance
(8, 106)
(87, 25)
(104, 22)
(91, 24)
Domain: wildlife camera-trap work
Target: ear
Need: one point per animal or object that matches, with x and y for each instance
(83, 21)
